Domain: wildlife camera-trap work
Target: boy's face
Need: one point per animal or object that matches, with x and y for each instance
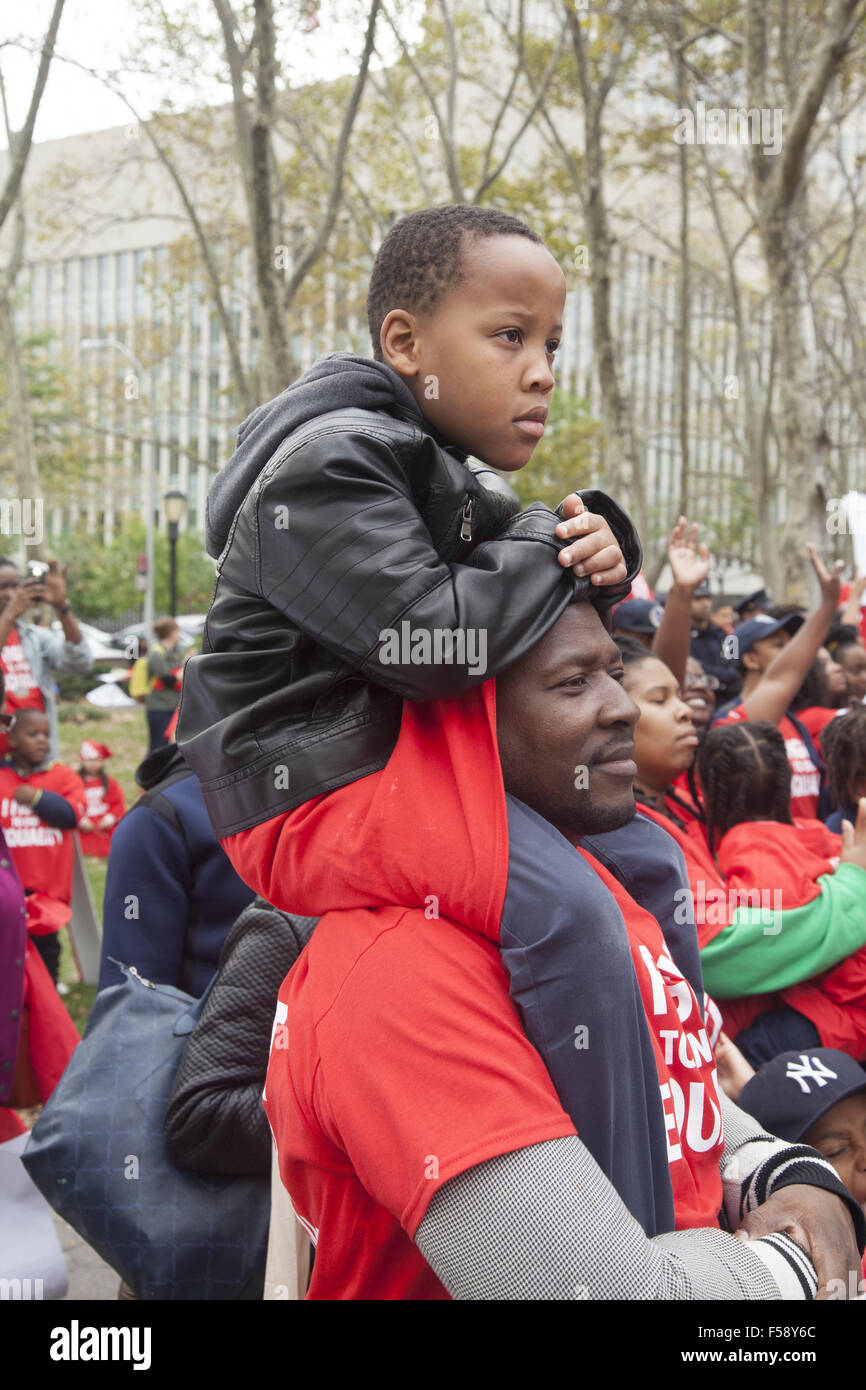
(840, 1136)
(484, 357)
(31, 738)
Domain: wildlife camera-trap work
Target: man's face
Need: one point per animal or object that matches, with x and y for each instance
(31, 738)
(9, 580)
(665, 738)
(840, 1136)
(701, 609)
(837, 683)
(699, 695)
(484, 356)
(566, 728)
(761, 654)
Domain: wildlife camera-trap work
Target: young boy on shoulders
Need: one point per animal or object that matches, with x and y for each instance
(366, 556)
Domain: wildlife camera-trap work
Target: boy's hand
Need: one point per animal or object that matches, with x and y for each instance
(597, 553)
(689, 562)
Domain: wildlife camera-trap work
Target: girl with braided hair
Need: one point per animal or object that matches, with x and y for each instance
(744, 775)
(760, 848)
(771, 911)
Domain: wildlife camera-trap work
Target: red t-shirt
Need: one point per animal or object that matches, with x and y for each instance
(816, 718)
(22, 692)
(408, 1065)
(42, 853)
(805, 776)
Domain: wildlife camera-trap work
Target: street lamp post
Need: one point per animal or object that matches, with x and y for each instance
(174, 506)
(118, 346)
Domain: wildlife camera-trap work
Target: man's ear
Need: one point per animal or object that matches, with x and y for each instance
(398, 339)
(750, 661)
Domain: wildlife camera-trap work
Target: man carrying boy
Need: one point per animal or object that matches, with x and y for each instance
(426, 1144)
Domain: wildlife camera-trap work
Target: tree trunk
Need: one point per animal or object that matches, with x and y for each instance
(21, 441)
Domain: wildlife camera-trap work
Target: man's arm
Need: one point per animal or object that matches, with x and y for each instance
(786, 673)
(147, 899)
(690, 565)
(544, 1223)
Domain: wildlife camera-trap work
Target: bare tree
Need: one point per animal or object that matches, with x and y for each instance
(21, 442)
(255, 119)
(779, 184)
(19, 153)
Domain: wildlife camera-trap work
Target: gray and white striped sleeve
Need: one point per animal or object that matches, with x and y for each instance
(545, 1223)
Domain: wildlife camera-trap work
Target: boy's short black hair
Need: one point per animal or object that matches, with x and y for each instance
(421, 258)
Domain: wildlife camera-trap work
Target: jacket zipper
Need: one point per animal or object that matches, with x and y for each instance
(466, 525)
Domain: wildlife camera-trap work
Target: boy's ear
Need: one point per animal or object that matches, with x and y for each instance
(750, 661)
(398, 342)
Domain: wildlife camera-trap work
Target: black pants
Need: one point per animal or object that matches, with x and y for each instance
(48, 947)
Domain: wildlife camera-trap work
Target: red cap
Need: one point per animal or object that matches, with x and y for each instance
(89, 752)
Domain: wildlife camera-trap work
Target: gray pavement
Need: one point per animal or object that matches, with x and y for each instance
(90, 1278)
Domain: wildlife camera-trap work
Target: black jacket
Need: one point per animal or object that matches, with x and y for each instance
(215, 1122)
(335, 527)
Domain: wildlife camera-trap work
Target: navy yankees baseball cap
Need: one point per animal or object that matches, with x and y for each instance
(791, 1093)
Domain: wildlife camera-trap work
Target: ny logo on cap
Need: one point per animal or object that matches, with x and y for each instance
(809, 1068)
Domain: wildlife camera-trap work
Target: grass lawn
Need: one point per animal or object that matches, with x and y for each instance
(125, 733)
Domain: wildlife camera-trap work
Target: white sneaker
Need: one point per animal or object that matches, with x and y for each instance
(62, 988)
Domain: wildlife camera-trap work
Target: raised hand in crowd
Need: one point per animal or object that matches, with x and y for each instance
(786, 672)
(690, 565)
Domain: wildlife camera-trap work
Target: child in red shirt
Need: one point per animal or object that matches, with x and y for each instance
(105, 802)
(40, 806)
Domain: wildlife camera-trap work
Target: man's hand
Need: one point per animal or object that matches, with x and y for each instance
(597, 553)
(24, 596)
(85, 824)
(817, 1220)
(732, 1068)
(831, 583)
(24, 795)
(54, 584)
(107, 821)
(690, 562)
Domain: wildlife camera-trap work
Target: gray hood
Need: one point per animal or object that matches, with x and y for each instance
(337, 381)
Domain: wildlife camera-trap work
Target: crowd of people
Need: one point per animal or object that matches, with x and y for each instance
(568, 888)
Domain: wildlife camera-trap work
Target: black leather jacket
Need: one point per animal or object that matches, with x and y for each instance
(361, 522)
